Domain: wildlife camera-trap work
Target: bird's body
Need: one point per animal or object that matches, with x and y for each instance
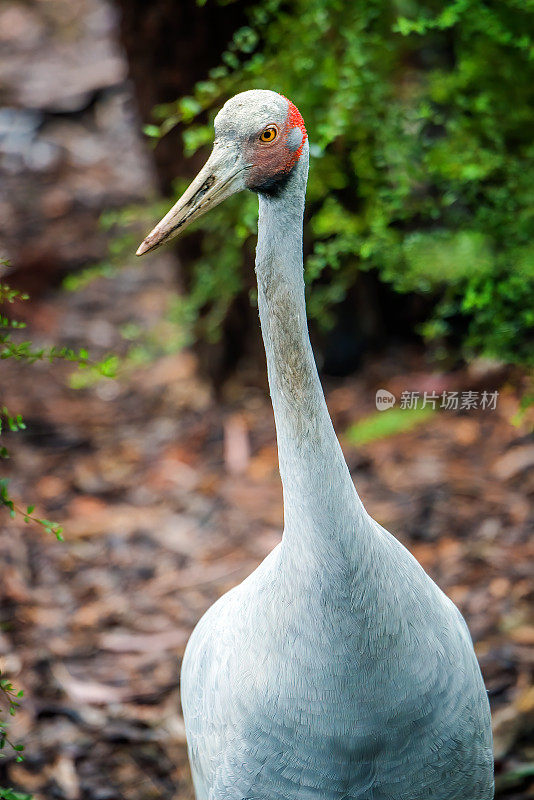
(293, 689)
(338, 670)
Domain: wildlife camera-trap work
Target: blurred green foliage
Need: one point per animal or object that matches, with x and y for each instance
(380, 426)
(10, 697)
(420, 117)
(25, 351)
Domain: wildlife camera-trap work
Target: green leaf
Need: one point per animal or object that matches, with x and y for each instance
(11, 794)
(384, 424)
(152, 131)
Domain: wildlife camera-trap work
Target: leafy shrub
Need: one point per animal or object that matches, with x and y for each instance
(420, 120)
(23, 350)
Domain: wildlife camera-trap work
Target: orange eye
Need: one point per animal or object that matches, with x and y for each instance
(269, 134)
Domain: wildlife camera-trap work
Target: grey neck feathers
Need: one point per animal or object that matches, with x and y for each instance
(321, 507)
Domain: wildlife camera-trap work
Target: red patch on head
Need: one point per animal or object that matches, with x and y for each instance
(294, 120)
(273, 161)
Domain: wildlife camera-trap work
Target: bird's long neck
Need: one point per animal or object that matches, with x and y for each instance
(321, 508)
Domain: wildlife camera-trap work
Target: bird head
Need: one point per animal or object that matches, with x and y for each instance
(259, 139)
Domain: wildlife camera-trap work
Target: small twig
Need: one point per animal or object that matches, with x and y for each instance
(14, 509)
(12, 697)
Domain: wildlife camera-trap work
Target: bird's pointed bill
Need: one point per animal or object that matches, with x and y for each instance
(222, 175)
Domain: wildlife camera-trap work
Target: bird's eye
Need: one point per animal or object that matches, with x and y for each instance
(269, 134)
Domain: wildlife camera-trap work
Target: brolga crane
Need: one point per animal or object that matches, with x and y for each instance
(337, 670)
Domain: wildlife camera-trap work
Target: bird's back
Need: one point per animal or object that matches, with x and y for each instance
(320, 691)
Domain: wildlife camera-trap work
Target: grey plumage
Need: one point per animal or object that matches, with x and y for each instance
(338, 670)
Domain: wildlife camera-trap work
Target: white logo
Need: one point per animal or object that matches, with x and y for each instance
(384, 400)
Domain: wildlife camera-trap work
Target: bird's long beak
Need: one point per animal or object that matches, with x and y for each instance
(222, 175)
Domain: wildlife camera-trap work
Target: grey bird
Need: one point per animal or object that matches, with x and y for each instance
(337, 670)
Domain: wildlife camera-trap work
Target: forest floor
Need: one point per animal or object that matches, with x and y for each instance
(169, 498)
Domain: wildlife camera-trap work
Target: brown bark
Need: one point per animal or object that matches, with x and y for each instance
(170, 45)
